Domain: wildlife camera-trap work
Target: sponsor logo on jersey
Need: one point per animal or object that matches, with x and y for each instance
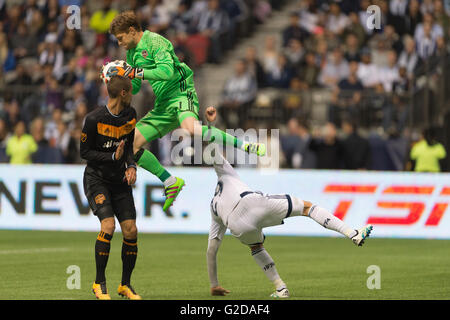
(83, 137)
(111, 131)
(144, 53)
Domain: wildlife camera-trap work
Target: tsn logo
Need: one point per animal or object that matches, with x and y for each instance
(415, 208)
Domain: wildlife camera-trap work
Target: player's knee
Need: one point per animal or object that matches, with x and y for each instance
(256, 247)
(306, 207)
(298, 206)
(130, 231)
(108, 225)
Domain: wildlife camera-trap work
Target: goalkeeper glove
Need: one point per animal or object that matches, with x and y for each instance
(127, 71)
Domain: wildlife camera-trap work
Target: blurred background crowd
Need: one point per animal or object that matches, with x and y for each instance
(386, 91)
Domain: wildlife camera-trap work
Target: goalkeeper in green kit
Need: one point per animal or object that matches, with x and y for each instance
(151, 57)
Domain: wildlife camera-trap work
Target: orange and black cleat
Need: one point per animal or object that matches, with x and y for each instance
(128, 292)
(100, 291)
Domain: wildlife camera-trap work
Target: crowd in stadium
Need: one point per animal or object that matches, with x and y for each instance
(326, 44)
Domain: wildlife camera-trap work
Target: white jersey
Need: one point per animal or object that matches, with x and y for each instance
(244, 212)
(228, 190)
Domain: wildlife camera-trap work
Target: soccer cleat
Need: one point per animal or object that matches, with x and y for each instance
(128, 292)
(171, 193)
(362, 234)
(283, 293)
(258, 148)
(100, 291)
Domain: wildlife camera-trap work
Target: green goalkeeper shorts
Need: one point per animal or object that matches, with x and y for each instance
(168, 115)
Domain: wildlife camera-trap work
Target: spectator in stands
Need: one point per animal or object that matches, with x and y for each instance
(442, 18)
(73, 154)
(21, 145)
(239, 92)
(389, 74)
(335, 69)
(295, 146)
(428, 152)
(183, 20)
(51, 127)
(270, 54)
(4, 136)
(292, 100)
(327, 148)
(309, 17)
(413, 18)
(281, 76)
(356, 28)
(23, 43)
(390, 39)
(12, 116)
(52, 55)
(352, 49)
(435, 31)
(426, 44)
(397, 148)
(294, 31)
(254, 66)
(309, 72)
(102, 18)
(368, 73)
(54, 95)
(355, 148)
(41, 155)
(22, 77)
(364, 16)
(346, 98)
(237, 12)
(397, 111)
(213, 23)
(71, 39)
(295, 53)
(45, 153)
(427, 6)
(156, 16)
(336, 20)
(398, 10)
(63, 140)
(70, 73)
(7, 61)
(409, 58)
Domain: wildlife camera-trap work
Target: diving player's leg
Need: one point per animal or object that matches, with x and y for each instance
(243, 223)
(153, 126)
(328, 220)
(265, 261)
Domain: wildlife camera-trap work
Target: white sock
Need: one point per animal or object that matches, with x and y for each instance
(265, 261)
(329, 221)
(169, 181)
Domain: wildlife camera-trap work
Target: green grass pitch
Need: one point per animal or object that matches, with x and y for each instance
(33, 265)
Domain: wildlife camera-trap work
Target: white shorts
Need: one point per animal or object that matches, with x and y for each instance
(256, 211)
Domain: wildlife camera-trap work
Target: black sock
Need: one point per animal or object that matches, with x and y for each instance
(129, 255)
(102, 246)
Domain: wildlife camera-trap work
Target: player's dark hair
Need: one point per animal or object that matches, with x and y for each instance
(123, 22)
(116, 84)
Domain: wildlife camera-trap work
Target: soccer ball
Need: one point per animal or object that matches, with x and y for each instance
(110, 69)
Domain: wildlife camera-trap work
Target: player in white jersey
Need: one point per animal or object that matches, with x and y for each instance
(245, 212)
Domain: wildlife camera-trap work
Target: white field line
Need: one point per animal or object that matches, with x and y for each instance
(32, 251)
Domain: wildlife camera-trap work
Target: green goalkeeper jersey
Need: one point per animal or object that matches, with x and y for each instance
(166, 74)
